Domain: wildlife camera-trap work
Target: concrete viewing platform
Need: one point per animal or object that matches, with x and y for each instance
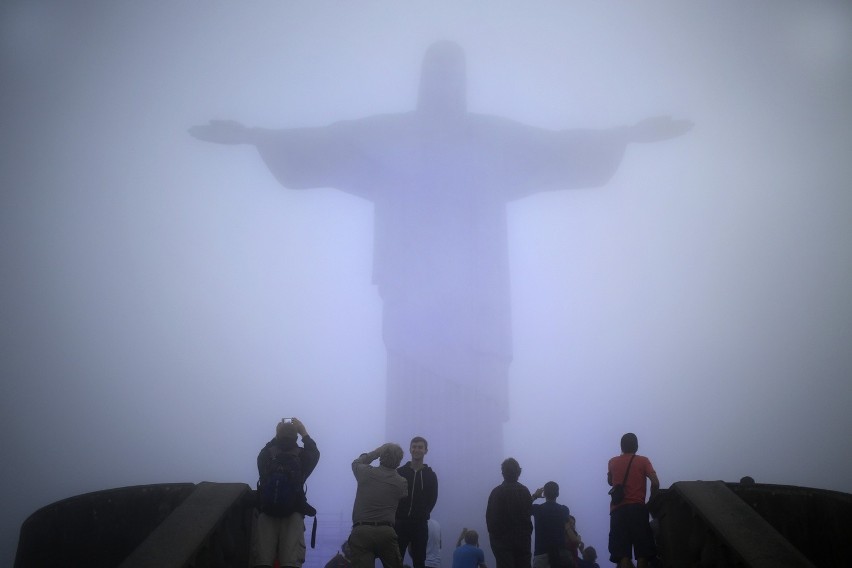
(701, 523)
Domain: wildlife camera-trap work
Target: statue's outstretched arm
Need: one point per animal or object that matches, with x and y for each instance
(656, 129)
(299, 158)
(229, 132)
(536, 159)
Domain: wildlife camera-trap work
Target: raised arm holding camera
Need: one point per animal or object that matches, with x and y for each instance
(376, 499)
(283, 466)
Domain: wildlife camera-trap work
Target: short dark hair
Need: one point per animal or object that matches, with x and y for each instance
(471, 537)
(551, 490)
(419, 439)
(629, 443)
(511, 469)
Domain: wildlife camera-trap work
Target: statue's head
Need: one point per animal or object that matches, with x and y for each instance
(443, 80)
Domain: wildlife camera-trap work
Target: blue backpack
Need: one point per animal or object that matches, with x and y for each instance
(281, 489)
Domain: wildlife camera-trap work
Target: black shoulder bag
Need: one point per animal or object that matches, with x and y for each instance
(616, 494)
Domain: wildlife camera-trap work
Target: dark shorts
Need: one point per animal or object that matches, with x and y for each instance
(630, 531)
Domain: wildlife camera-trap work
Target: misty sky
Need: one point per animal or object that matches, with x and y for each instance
(165, 301)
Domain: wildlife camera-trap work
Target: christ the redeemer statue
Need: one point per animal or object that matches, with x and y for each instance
(439, 178)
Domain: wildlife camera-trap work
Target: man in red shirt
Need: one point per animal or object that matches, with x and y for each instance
(629, 529)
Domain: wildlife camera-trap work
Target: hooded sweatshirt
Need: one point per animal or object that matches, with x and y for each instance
(422, 493)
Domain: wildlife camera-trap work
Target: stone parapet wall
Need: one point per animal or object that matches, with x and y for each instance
(96, 530)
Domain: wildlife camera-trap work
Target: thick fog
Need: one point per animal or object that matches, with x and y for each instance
(165, 301)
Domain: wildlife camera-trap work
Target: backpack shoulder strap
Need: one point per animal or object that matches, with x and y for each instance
(626, 471)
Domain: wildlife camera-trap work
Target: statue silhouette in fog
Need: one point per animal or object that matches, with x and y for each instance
(439, 178)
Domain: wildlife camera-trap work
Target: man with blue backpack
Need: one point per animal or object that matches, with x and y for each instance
(283, 466)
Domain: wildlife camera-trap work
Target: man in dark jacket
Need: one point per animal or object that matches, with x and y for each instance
(413, 511)
(508, 519)
(281, 523)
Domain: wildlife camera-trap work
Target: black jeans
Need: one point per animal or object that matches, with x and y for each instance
(413, 536)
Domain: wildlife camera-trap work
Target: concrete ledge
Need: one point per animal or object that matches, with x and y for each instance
(177, 539)
(816, 521)
(99, 529)
(739, 526)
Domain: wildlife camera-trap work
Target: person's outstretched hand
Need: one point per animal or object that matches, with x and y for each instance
(658, 128)
(221, 132)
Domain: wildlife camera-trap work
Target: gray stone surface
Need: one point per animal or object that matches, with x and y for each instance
(99, 529)
(180, 539)
(738, 529)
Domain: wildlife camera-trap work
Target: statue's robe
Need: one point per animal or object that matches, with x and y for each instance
(440, 188)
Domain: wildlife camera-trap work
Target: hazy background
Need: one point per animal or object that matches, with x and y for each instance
(164, 301)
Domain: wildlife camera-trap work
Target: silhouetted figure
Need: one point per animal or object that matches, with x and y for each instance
(629, 528)
(589, 559)
(573, 539)
(507, 517)
(550, 549)
(439, 178)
